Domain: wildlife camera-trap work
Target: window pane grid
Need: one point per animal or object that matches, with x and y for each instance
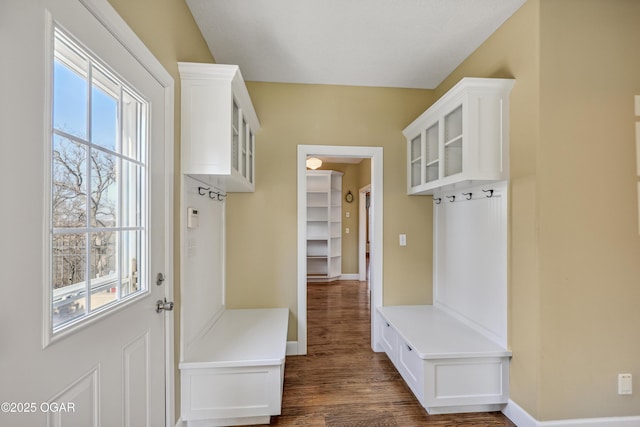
(98, 229)
(74, 138)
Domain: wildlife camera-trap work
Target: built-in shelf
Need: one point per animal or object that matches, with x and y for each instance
(324, 225)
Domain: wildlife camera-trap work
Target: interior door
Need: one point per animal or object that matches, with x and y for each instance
(108, 369)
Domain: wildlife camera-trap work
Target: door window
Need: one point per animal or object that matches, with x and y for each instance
(98, 187)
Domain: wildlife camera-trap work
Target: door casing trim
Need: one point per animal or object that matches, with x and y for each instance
(376, 285)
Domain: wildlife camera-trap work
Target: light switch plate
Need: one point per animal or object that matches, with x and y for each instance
(625, 385)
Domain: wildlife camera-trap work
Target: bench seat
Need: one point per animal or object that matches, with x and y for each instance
(234, 374)
(449, 366)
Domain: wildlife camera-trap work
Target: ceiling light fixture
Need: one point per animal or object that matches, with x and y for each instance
(314, 163)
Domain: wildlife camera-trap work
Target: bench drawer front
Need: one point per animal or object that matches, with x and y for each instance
(467, 381)
(231, 392)
(411, 367)
(389, 338)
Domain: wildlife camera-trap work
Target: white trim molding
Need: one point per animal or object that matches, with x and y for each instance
(362, 232)
(522, 419)
(292, 348)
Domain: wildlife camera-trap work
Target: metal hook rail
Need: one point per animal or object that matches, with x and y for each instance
(468, 196)
(213, 194)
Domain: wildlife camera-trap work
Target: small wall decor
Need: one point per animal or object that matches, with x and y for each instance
(349, 197)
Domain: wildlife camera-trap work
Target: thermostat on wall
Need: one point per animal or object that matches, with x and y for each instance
(192, 218)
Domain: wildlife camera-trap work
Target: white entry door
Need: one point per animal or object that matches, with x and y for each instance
(86, 218)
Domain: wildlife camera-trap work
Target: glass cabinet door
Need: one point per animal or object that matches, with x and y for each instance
(432, 164)
(235, 126)
(243, 148)
(250, 159)
(453, 142)
(416, 160)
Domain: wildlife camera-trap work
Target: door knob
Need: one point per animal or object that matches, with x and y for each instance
(164, 305)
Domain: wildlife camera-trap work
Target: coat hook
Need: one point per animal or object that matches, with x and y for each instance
(438, 200)
(216, 195)
(469, 195)
(488, 191)
(200, 191)
(452, 198)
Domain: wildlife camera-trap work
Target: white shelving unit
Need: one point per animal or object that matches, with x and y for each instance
(231, 360)
(462, 139)
(454, 354)
(324, 225)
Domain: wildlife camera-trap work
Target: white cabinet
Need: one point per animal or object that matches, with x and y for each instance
(324, 225)
(218, 126)
(462, 138)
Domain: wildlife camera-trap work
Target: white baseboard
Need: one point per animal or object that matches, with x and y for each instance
(519, 416)
(522, 419)
(292, 348)
(350, 276)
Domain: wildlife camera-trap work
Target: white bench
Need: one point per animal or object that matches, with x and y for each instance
(450, 367)
(234, 374)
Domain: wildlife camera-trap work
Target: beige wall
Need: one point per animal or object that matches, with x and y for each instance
(574, 244)
(588, 216)
(262, 255)
(350, 241)
(167, 28)
(365, 173)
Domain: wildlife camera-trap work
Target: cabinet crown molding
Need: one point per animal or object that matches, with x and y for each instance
(465, 84)
(224, 73)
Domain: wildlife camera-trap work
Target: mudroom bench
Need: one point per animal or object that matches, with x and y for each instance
(449, 366)
(234, 373)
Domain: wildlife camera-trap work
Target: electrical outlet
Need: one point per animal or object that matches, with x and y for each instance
(625, 385)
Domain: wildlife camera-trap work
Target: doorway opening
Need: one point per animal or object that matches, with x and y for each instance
(375, 203)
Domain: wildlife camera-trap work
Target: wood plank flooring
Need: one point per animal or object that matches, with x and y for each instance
(341, 382)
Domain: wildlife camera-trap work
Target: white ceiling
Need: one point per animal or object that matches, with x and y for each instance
(386, 43)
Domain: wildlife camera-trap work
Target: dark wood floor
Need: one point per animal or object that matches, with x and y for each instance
(341, 382)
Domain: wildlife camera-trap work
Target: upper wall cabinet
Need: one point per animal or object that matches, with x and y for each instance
(461, 139)
(218, 126)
